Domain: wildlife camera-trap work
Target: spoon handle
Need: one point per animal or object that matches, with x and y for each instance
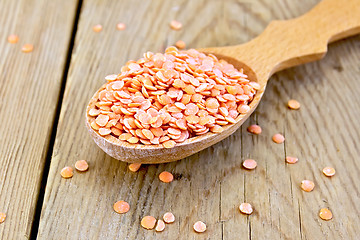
(304, 39)
(292, 42)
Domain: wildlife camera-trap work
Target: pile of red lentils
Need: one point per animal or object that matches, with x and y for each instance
(168, 98)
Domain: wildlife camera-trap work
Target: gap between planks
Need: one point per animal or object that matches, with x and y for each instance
(45, 171)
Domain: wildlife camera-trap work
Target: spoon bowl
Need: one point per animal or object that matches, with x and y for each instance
(283, 44)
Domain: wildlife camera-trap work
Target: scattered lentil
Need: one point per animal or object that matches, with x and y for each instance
(134, 167)
(148, 222)
(97, 28)
(325, 214)
(249, 164)
(255, 129)
(13, 38)
(175, 25)
(246, 208)
(67, 172)
(166, 177)
(169, 217)
(180, 44)
(121, 207)
(168, 98)
(120, 26)
(278, 138)
(291, 160)
(81, 165)
(160, 226)
(199, 227)
(293, 104)
(329, 171)
(2, 217)
(26, 48)
(307, 185)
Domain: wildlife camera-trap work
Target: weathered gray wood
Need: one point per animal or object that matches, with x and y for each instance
(29, 92)
(209, 186)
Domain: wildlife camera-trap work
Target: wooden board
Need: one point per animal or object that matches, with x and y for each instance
(210, 185)
(30, 87)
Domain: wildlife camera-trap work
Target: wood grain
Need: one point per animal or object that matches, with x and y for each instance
(30, 87)
(210, 185)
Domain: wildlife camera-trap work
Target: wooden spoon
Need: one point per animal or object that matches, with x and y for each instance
(283, 44)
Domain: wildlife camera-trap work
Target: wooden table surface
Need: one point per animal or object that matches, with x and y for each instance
(43, 96)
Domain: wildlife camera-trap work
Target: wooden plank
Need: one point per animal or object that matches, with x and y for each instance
(30, 87)
(209, 186)
(331, 142)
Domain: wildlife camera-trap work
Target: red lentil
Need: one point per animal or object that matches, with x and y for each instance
(26, 48)
(94, 112)
(81, 165)
(13, 38)
(199, 227)
(104, 131)
(325, 214)
(166, 177)
(95, 126)
(168, 98)
(160, 226)
(291, 160)
(255, 129)
(133, 140)
(67, 172)
(97, 28)
(293, 104)
(120, 26)
(243, 109)
(121, 207)
(307, 185)
(249, 164)
(176, 25)
(329, 171)
(169, 144)
(148, 222)
(2, 217)
(169, 217)
(246, 208)
(278, 138)
(134, 167)
(180, 44)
